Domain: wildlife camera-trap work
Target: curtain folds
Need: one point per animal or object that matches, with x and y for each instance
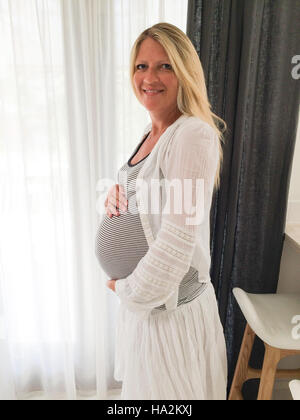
(53, 297)
(246, 48)
(68, 118)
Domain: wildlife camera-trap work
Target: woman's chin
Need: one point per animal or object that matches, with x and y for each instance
(152, 107)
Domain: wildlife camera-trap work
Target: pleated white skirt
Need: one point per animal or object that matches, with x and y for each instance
(172, 355)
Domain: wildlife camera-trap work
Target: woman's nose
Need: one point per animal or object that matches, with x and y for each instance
(150, 76)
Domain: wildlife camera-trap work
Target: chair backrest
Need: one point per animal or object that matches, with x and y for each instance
(295, 389)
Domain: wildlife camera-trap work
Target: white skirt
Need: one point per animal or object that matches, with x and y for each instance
(172, 355)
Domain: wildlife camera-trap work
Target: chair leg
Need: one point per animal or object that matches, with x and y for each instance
(241, 370)
(268, 374)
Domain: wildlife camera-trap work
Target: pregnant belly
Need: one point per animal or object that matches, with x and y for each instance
(120, 244)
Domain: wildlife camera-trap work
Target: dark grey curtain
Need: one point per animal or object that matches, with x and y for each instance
(246, 49)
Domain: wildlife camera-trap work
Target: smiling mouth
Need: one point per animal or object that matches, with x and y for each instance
(152, 92)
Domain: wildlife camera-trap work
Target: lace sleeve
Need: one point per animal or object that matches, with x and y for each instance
(190, 171)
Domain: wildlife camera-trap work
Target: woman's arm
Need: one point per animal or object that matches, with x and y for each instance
(193, 155)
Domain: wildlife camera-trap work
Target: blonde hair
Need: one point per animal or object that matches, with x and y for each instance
(192, 96)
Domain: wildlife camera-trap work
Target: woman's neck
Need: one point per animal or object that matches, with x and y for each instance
(160, 124)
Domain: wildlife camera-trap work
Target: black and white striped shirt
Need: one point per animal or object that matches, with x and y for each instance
(120, 241)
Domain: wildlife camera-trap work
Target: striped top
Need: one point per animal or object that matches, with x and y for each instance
(120, 241)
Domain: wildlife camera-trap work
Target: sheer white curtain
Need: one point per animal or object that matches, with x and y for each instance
(68, 118)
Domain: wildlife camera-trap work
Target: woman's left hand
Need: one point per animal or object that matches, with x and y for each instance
(111, 284)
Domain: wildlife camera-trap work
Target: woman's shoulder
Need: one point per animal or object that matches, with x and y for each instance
(192, 137)
(195, 124)
(194, 131)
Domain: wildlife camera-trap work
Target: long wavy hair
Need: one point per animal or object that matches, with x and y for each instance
(192, 96)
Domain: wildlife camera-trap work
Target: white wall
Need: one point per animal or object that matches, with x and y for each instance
(293, 212)
(289, 277)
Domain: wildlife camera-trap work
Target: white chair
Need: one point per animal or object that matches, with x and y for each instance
(295, 389)
(272, 318)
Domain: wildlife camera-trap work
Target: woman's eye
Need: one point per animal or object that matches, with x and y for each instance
(165, 66)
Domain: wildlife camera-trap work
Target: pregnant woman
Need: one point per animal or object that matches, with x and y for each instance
(169, 339)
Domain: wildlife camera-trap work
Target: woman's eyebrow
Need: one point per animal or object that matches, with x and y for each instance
(158, 62)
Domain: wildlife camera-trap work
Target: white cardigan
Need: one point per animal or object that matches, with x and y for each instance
(188, 149)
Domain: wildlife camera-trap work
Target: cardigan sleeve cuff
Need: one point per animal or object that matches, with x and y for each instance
(120, 287)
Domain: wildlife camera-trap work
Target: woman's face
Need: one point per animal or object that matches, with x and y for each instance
(155, 82)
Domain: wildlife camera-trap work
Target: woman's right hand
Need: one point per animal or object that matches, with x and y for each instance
(115, 200)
